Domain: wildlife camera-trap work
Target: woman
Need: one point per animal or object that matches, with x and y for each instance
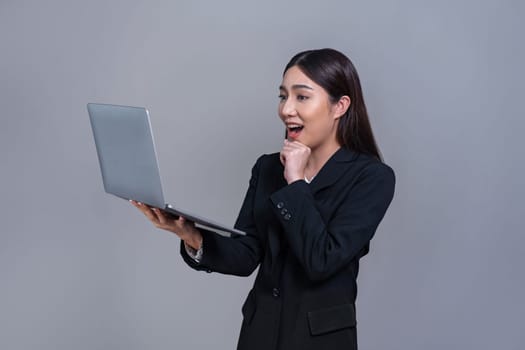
(309, 214)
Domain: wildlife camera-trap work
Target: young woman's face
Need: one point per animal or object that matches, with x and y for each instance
(306, 109)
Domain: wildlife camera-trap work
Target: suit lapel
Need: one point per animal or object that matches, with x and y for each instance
(333, 169)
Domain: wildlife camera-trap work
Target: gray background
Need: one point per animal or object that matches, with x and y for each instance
(443, 82)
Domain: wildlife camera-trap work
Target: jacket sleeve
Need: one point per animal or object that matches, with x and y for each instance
(237, 254)
(321, 247)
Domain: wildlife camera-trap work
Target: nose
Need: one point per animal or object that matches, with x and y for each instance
(288, 108)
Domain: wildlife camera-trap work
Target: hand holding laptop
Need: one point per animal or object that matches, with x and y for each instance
(183, 228)
(129, 168)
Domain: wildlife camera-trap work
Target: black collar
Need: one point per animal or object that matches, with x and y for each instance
(333, 169)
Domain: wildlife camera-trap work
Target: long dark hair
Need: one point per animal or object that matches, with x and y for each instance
(335, 72)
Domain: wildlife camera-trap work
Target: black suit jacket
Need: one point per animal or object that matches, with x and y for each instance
(307, 240)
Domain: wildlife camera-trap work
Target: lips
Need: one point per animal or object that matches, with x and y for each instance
(294, 130)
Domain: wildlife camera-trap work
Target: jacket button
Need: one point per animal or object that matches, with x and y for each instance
(208, 270)
(275, 292)
(284, 211)
(287, 216)
(280, 205)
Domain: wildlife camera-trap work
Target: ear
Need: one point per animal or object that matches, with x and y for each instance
(341, 106)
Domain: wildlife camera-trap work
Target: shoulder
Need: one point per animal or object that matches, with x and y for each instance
(374, 167)
(266, 164)
(375, 175)
(268, 160)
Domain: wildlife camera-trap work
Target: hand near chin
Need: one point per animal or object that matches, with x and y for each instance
(294, 156)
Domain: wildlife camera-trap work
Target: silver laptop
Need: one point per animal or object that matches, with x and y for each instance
(128, 161)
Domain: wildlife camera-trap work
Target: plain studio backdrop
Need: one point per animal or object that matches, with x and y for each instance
(443, 82)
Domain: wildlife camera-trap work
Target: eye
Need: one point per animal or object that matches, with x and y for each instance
(282, 97)
(302, 97)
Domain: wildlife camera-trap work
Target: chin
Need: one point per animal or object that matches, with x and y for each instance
(304, 142)
(295, 139)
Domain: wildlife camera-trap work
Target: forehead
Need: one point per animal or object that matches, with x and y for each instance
(294, 76)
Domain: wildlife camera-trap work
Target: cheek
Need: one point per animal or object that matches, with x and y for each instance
(318, 130)
(319, 124)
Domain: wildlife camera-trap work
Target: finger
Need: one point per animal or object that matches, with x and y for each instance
(139, 205)
(144, 210)
(292, 148)
(181, 225)
(148, 212)
(189, 223)
(135, 204)
(178, 222)
(295, 145)
(160, 216)
(288, 147)
(185, 223)
(287, 150)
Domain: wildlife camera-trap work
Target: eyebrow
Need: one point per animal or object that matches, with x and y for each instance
(296, 86)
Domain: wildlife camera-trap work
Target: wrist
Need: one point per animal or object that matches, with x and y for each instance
(195, 242)
(295, 178)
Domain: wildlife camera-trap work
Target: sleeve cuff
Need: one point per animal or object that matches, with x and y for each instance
(195, 254)
(285, 200)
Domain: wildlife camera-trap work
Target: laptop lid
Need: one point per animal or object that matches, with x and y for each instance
(126, 152)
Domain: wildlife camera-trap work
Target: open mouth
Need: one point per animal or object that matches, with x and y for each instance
(294, 131)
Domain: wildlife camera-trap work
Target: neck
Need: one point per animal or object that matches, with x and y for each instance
(319, 156)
